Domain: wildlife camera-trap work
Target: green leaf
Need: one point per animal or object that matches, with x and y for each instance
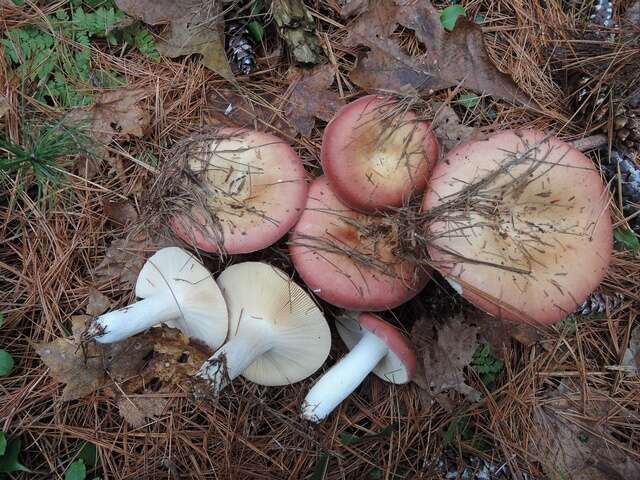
(89, 454)
(627, 239)
(256, 30)
(3, 443)
(76, 471)
(468, 100)
(348, 439)
(6, 363)
(449, 16)
(9, 461)
(1, 319)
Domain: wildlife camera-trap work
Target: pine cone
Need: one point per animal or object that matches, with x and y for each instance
(599, 302)
(629, 182)
(626, 125)
(241, 48)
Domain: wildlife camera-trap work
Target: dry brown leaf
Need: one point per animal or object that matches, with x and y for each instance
(125, 257)
(137, 409)
(85, 370)
(98, 303)
(311, 98)
(631, 358)
(230, 108)
(450, 59)
(578, 445)
(444, 350)
(122, 213)
(353, 8)
(195, 26)
(450, 131)
(499, 333)
(116, 114)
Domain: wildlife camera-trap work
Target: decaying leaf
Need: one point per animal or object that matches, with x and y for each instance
(137, 409)
(444, 350)
(125, 257)
(116, 114)
(354, 7)
(311, 99)
(85, 370)
(161, 354)
(233, 109)
(98, 303)
(450, 58)
(576, 443)
(122, 213)
(194, 26)
(450, 131)
(498, 333)
(297, 28)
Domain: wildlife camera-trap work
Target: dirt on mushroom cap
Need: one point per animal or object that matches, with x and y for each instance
(521, 222)
(351, 259)
(234, 190)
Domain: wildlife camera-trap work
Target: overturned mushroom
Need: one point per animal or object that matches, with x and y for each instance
(248, 189)
(376, 346)
(278, 335)
(375, 153)
(349, 258)
(519, 225)
(176, 289)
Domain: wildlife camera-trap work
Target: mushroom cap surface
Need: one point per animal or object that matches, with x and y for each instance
(399, 364)
(175, 273)
(302, 339)
(375, 154)
(256, 190)
(521, 225)
(325, 227)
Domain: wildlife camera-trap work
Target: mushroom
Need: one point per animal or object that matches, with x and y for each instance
(250, 189)
(278, 335)
(375, 153)
(519, 224)
(375, 346)
(349, 258)
(177, 290)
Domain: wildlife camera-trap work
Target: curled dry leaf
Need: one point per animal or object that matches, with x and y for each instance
(354, 7)
(125, 257)
(194, 26)
(450, 58)
(575, 440)
(98, 303)
(137, 409)
(311, 98)
(86, 368)
(449, 129)
(122, 213)
(631, 358)
(4, 106)
(161, 354)
(116, 114)
(444, 350)
(232, 109)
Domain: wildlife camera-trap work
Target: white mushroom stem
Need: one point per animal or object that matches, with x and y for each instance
(128, 321)
(343, 378)
(235, 356)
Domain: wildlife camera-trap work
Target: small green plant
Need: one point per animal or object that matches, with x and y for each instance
(627, 239)
(458, 428)
(449, 16)
(468, 100)
(56, 55)
(9, 452)
(487, 366)
(40, 152)
(76, 471)
(87, 457)
(6, 367)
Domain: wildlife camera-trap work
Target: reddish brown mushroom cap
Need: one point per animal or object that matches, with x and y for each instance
(337, 277)
(399, 365)
(530, 237)
(374, 157)
(256, 190)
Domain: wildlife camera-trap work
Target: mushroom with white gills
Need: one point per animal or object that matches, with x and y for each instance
(176, 289)
(376, 346)
(278, 335)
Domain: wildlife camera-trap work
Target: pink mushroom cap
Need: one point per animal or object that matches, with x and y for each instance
(532, 238)
(256, 189)
(375, 157)
(321, 245)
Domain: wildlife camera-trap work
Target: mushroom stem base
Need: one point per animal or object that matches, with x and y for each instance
(253, 339)
(343, 378)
